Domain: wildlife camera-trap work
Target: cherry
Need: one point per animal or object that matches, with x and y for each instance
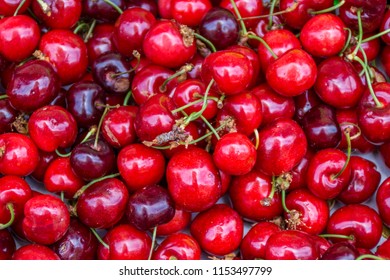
(35, 82)
(253, 245)
(34, 252)
(202, 188)
(179, 222)
(264, 25)
(246, 9)
(101, 10)
(385, 24)
(189, 13)
(178, 246)
(299, 172)
(7, 245)
(78, 243)
(52, 127)
(218, 230)
(282, 145)
(341, 251)
(360, 221)
(9, 7)
(57, 14)
(290, 245)
(125, 242)
(148, 5)
(220, 27)
(101, 41)
(46, 219)
(327, 174)
(304, 102)
(103, 203)
(19, 154)
(321, 243)
(19, 37)
(253, 197)
(140, 166)
(384, 151)
(67, 52)
(385, 59)
(164, 8)
(364, 181)
(7, 116)
(382, 199)
(383, 250)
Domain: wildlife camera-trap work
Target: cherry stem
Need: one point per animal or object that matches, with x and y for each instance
(328, 10)
(185, 69)
(19, 6)
(271, 14)
(100, 126)
(347, 132)
(153, 242)
(127, 98)
(243, 27)
(80, 27)
(284, 202)
(83, 188)
(206, 41)
(115, 6)
(137, 55)
(62, 196)
(358, 134)
(360, 36)
(90, 30)
(90, 133)
(182, 108)
(341, 236)
(385, 232)
(4, 96)
(63, 155)
(45, 7)
(11, 210)
(347, 42)
(212, 129)
(99, 238)
(267, 200)
(380, 34)
(256, 132)
(261, 40)
(369, 256)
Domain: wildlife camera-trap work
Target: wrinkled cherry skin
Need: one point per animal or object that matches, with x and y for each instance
(358, 220)
(218, 230)
(178, 246)
(165, 37)
(67, 52)
(15, 191)
(46, 219)
(125, 243)
(323, 166)
(103, 204)
(290, 245)
(313, 212)
(248, 194)
(7, 245)
(341, 251)
(373, 121)
(19, 154)
(8, 7)
(7, 116)
(179, 222)
(282, 145)
(364, 181)
(253, 245)
(52, 127)
(19, 37)
(193, 179)
(35, 252)
(140, 166)
(101, 41)
(78, 243)
(189, 13)
(382, 199)
(35, 82)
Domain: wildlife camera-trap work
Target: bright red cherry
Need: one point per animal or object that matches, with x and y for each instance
(101, 41)
(35, 252)
(382, 198)
(178, 246)
(179, 222)
(8, 7)
(189, 13)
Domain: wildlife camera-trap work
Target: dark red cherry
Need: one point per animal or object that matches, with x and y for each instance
(7, 245)
(148, 5)
(178, 246)
(304, 102)
(34, 252)
(7, 116)
(33, 85)
(384, 151)
(382, 199)
(385, 24)
(101, 41)
(101, 10)
(8, 7)
(341, 251)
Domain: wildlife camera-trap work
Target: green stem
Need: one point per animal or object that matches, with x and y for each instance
(284, 202)
(80, 27)
(62, 196)
(196, 115)
(11, 210)
(347, 132)
(4, 96)
(264, 43)
(153, 242)
(369, 256)
(19, 7)
(127, 98)
(212, 129)
(100, 126)
(99, 238)
(63, 155)
(341, 236)
(83, 188)
(185, 69)
(360, 36)
(90, 133)
(115, 6)
(243, 27)
(380, 34)
(271, 14)
(328, 10)
(90, 30)
(347, 42)
(206, 41)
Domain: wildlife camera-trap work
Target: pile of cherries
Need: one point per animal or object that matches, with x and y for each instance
(189, 129)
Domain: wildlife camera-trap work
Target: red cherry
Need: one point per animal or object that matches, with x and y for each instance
(382, 198)
(385, 24)
(218, 230)
(101, 41)
(189, 13)
(179, 222)
(34, 252)
(299, 172)
(384, 151)
(178, 246)
(8, 8)
(383, 250)
(7, 245)
(246, 8)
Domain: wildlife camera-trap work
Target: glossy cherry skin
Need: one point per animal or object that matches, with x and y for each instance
(14, 192)
(375, 121)
(299, 172)
(231, 71)
(7, 245)
(382, 199)
(234, 148)
(220, 27)
(383, 250)
(61, 15)
(282, 145)
(304, 102)
(189, 13)
(358, 220)
(83, 100)
(90, 161)
(125, 243)
(292, 73)
(44, 161)
(338, 83)
(246, 8)
(290, 245)
(140, 166)
(149, 5)
(103, 203)
(101, 41)
(166, 37)
(8, 7)
(35, 82)
(218, 230)
(7, 116)
(19, 154)
(46, 219)
(34, 252)
(101, 10)
(323, 35)
(178, 246)
(179, 222)
(149, 207)
(323, 167)
(52, 127)
(60, 177)
(312, 212)
(341, 251)
(78, 243)
(321, 127)
(249, 195)
(19, 37)
(67, 52)
(254, 242)
(365, 180)
(385, 24)
(193, 179)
